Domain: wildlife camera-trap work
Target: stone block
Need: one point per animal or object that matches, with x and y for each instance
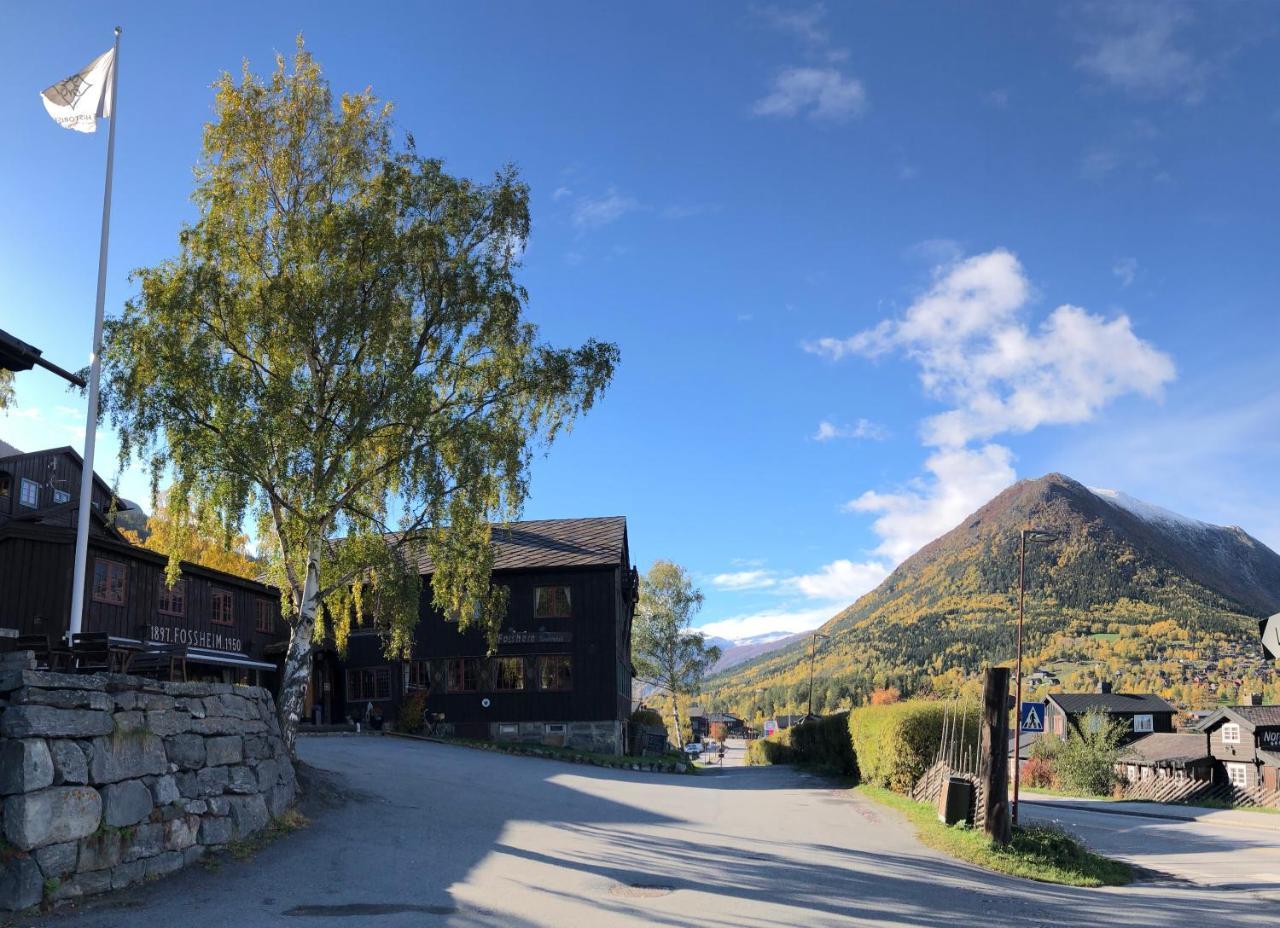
(279, 799)
(89, 883)
(193, 707)
(147, 840)
(212, 781)
(213, 707)
(192, 854)
(63, 699)
(195, 807)
(221, 725)
(128, 723)
(241, 780)
(166, 722)
(215, 830)
(165, 790)
(180, 833)
(224, 750)
(47, 722)
(21, 884)
(127, 757)
(25, 766)
(248, 815)
(164, 864)
(128, 874)
(69, 763)
(237, 707)
(102, 851)
(57, 860)
(188, 784)
(126, 803)
(268, 773)
(257, 747)
(51, 816)
(219, 805)
(18, 660)
(185, 750)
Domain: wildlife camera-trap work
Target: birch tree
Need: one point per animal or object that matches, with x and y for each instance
(665, 651)
(338, 354)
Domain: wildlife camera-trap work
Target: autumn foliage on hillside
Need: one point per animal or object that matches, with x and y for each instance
(197, 541)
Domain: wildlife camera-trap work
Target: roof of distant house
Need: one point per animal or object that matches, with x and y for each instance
(7, 450)
(1167, 748)
(1252, 716)
(589, 542)
(1113, 703)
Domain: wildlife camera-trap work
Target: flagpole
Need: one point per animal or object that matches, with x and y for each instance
(95, 370)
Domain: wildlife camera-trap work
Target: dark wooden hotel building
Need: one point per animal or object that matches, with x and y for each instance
(229, 626)
(562, 671)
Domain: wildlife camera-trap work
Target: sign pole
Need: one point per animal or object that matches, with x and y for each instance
(95, 370)
(1017, 698)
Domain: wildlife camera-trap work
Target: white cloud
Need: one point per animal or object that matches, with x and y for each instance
(863, 428)
(769, 621)
(841, 581)
(805, 24)
(961, 481)
(593, 212)
(1126, 271)
(998, 98)
(821, 93)
(561, 193)
(1138, 48)
(744, 580)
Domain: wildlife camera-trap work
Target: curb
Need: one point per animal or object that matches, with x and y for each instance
(1109, 809)
(636, 767)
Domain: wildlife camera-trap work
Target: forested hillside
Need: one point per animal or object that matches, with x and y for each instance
(1128, 593)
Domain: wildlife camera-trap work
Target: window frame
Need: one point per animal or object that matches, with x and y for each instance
(1231, 733)
(263, 620)
(568, 601)
(104, 596)
(419, 674)
(1149, 724)
(540, 671)
(497, 673)
(373, 676)
(215, 594)
(463, 664)
(1242, 769)
(22, 493)
(179, 587)
(60, 497)
(6, 484)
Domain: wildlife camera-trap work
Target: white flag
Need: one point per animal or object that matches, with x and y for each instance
(77, 102)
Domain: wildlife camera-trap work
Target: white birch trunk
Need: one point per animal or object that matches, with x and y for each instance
(297, 664)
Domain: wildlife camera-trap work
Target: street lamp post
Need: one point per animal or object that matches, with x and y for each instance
(813, 645)
(1040, 537)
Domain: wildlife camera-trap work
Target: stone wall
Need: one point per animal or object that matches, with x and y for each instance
(109, 779)
(596, 737)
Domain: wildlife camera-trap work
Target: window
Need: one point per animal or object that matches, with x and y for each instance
(508, 673)
(108, 582)
(29, 495)
(368, 684)
(1238, 774)
(464, 675)
(262, 610)
(173, 599)
(508, 728)
(1231, 733)
(555, 728)
(60, 497)
(1095, 721)
(222, 610)
(555, 672)
(5, 483)
(1057, 725)
(551, 602)
(419, 675)
(1143, 723)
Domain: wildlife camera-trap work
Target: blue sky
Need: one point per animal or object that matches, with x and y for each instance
(866, 265)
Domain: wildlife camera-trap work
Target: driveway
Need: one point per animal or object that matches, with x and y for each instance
(1228, 849)
(436, 835)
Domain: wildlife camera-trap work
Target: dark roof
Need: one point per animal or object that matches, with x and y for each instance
(592, 542)
(7, 450)
(75, 456)
(1112, 703)
(1167, 748)
(1252, 716)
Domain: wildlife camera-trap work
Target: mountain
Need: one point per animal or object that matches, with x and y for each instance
(1131, 592)
(733, 653)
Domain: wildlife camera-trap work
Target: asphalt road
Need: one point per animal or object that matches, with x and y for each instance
(436, 835)
(1232, 850)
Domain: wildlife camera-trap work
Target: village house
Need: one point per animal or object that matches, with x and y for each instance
(221, 627)
(1244, 742)
(561, 673)
(1166, 755)
(1141, 713)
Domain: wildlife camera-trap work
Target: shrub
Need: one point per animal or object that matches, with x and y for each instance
(1038, 772)
(776, 749)
(893, 745)
(719, 731)
(1085, 760)
(824, 743)
(648, 717)
(885, 696)
(413, 713)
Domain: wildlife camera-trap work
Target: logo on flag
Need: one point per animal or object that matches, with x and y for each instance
(81, 99)
(1032, 716)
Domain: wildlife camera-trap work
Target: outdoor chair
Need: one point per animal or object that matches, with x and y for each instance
(157, 659)
(49, 655)
(90, 652)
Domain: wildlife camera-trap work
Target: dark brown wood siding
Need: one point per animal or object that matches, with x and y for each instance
(50, 470)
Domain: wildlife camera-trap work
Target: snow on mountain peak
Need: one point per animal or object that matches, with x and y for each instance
(1149, 512)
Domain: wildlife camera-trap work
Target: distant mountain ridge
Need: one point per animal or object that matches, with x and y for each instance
(949, 606)
(733, 653)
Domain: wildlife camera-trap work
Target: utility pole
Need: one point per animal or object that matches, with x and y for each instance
(813, 645)
(1033, 535)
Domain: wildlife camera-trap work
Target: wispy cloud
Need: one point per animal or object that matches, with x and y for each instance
(998, 98)
(862, 428)
(1144, 49)
(1125, 270)
(745, 580)
(804, 23)
(594, 212)
(823, 94)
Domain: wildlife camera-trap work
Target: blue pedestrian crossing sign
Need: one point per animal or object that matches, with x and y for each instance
(1032, 716)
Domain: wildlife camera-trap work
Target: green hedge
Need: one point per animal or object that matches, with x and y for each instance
(895, 744)
(776, 749)
(824, 743)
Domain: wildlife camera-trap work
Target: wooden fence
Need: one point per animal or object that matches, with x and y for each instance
(1197, 792)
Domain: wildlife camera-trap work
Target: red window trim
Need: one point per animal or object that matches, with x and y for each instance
(124, 572)
(214, 596)
(180, 585)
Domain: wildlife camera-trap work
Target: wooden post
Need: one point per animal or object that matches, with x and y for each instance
(994, 770)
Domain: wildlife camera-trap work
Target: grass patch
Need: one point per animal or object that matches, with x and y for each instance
(1037, 852)
(242, 849)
